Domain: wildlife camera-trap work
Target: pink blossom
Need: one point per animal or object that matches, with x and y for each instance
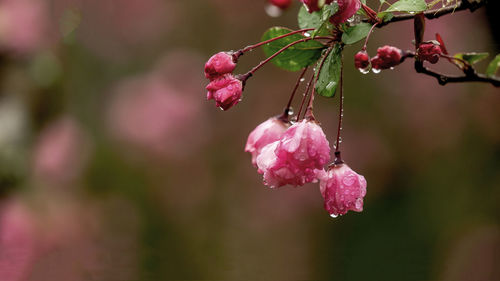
(17, 242)
(267, 132)
(387, 57)
(429, 51)
(60, 152)
(296, 158)
(23, 25)
(347, 9)
(219, 64)
(343, 190)
(226, 91)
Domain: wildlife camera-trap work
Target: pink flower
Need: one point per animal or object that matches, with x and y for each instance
(296, 158)
(219, 64)
(282, 4)
(387, 57)
(315, 5)
(361, 60)
(347, 9)
(18, 249)
(429, 51)
(60, 152)
(226, 91)
(23, 25)
(269, 131)
(343, 190)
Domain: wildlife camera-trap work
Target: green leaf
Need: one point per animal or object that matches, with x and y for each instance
(356, 33)
(319, 20)
(471, 58)
(385, 16)
(408, 6)
(294, 58)
(329, 74)
(493, 66)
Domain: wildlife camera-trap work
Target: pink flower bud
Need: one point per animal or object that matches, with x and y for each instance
(347, 9)
(269, 131)
(362, 60)
(343, 190)
(296, 157)
(219, 64)
(226, 91)
(387, 57)
(429, 51)
(282, 4)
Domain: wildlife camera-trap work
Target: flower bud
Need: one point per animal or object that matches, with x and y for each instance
(387, 57)
(226, 91)
(269, 131)
(429, 51)
(343, 190)
(347, 9)
(362, 60)
(282, 4)
(295, 159)
(219, 64)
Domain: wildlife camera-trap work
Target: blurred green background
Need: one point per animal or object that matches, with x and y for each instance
(113, 166)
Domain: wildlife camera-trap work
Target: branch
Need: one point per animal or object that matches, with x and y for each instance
(443, 79)
(436, 13)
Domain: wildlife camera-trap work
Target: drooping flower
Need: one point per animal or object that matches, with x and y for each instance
(296, 158)
(343, 190)
(429, 51)
(267, 132)
(219, 64)
(347, 9)
(226, 91)
(387, 57)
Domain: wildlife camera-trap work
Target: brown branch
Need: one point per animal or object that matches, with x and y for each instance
(443, 79)
(435, 13)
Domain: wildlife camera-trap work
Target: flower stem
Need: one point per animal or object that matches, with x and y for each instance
(305, 96)
(368, 37)
(251, 47)
(247, 75)
(286, 114)
(341, 108)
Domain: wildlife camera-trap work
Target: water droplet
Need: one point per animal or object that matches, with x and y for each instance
(411, 13)
(331, 85)
(334, 216)
(364, 70)
(273, 11)
(290, 111)
(302, 79)
(307, 34)
(392, 68)
(376, 71)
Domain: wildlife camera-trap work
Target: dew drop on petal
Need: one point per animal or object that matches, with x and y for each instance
(376, 71)
(333, 216)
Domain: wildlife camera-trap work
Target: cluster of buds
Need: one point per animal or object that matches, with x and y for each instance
(296, 154)
(387, 57)
(224, 87)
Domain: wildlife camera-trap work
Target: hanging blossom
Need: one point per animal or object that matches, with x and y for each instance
(296, 158)
(267, 132)
(342, 189)
(347, 9)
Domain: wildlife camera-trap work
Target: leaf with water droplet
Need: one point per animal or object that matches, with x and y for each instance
(329, 74)
(319, 20)
(408, 6)
(294, 58)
